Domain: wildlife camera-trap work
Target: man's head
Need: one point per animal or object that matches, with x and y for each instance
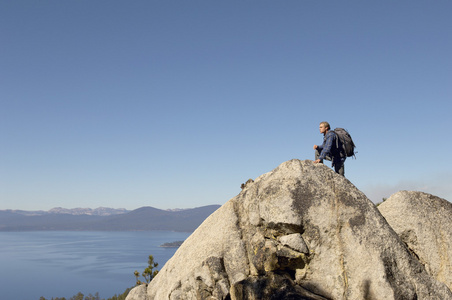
(324, 127)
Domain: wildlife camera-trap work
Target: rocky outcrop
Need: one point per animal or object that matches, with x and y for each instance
(300, 231)
(424, 223)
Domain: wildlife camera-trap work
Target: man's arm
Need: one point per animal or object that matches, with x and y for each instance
(319, 149)
(328, 145)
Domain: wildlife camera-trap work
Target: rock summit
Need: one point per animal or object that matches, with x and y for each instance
(302, 231)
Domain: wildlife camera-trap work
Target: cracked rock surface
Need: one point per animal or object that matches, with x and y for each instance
(300, 231)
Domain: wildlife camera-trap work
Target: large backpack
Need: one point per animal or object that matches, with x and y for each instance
(346, 140)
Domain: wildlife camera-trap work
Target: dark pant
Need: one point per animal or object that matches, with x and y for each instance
(337, 163)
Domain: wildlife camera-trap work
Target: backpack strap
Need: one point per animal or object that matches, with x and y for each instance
(340, 147)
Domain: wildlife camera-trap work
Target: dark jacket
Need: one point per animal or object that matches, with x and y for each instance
(331, 147)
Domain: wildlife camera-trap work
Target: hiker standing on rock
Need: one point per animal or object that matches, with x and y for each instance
(331, 149)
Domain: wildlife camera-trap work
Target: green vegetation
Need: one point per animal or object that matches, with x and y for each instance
(80, 296)
(148, 273)
(384, 199)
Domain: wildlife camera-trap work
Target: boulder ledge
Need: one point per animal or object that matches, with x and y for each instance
(424, 223)
(300, 231)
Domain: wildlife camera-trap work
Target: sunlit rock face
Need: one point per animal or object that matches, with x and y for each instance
(300, 231)
(424, 223)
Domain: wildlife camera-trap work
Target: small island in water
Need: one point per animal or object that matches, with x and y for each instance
(172, 244)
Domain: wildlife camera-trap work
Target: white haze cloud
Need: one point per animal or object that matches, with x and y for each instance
(439, 185)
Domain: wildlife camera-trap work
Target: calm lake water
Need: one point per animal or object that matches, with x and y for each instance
(63, 263)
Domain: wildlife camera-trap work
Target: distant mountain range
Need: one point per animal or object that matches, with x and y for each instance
(100, 211)
(105, 219)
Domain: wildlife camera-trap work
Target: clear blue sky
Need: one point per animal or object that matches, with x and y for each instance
(173, 104)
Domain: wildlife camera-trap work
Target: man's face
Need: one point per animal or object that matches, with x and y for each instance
(322, 128)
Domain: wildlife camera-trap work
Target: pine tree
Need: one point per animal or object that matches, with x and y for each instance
(79, 296)
(148, 273)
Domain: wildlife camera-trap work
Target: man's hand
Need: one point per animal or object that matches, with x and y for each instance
(317, 161)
